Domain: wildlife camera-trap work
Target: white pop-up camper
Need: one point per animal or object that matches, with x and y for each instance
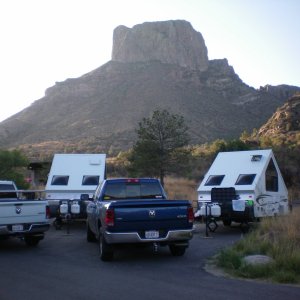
(72, 177)
(242, 186)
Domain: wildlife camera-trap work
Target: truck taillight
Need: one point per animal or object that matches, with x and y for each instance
(47, 212)
(110, 217)
(190, 214)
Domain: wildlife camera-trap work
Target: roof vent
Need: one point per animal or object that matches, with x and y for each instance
(95, 162)
(256, 157)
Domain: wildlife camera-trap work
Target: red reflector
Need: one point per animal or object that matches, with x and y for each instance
(190, 214)
(110, 217)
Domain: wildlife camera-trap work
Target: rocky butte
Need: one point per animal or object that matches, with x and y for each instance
(173, 42)
(154, 65)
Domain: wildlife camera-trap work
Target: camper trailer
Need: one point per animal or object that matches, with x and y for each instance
(243, 186)
(72, 180)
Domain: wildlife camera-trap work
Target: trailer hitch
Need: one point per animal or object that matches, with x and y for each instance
(155, 247)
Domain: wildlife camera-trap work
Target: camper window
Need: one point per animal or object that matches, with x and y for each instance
(245, 179)
(214, 180)
(271, 177)
(90, 180)
(60, 180)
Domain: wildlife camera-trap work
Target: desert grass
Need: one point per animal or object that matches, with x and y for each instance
(278, 238)
(181, 189)
(294, 195)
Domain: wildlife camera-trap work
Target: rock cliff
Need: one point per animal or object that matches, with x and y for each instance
(171, 42)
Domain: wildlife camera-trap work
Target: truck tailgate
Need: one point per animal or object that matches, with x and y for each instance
(13, 212)
(150, 215)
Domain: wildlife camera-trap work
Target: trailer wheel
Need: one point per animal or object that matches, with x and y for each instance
(106, 252)
(177, 250)
(226, 222)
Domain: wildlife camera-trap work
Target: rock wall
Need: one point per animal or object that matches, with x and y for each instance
(172, 42)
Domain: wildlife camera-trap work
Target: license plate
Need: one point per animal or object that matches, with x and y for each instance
(153, 234)
(17, 227)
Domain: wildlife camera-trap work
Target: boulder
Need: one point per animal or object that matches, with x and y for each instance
(257, 259)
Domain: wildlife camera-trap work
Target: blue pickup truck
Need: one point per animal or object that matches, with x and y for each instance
(135, 211)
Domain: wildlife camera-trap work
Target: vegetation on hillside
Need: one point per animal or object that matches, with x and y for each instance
(12, 165)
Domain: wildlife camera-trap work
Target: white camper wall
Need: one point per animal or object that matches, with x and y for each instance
(76, 166)
(232, 164)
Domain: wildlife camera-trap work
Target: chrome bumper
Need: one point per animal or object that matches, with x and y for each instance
(33, 228)
(134, 237)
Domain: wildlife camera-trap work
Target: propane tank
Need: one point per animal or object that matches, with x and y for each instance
(63, 208)
(203, 211)
(75, 208)
(215, 210)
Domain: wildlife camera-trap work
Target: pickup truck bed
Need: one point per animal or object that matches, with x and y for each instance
(138, 217)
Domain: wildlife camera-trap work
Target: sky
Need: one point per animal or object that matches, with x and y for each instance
(48, 41)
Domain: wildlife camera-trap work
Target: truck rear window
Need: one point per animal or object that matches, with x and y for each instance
(7, 187)
(123, 190)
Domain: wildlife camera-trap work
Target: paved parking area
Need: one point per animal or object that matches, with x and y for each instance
(65, 266)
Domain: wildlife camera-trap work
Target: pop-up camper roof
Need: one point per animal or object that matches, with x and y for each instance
(239, 169)
(73, 172)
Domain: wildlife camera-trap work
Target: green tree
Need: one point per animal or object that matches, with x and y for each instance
(221, 145)
(11, 164)
(159, 147)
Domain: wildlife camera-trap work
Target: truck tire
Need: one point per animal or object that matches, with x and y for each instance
(32, 241)
(106, 252)
(90, 236)
(177, 250)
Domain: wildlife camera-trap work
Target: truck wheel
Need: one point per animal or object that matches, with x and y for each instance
(90, 237)
(32, 241)
(177, 250)
(105, 250)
